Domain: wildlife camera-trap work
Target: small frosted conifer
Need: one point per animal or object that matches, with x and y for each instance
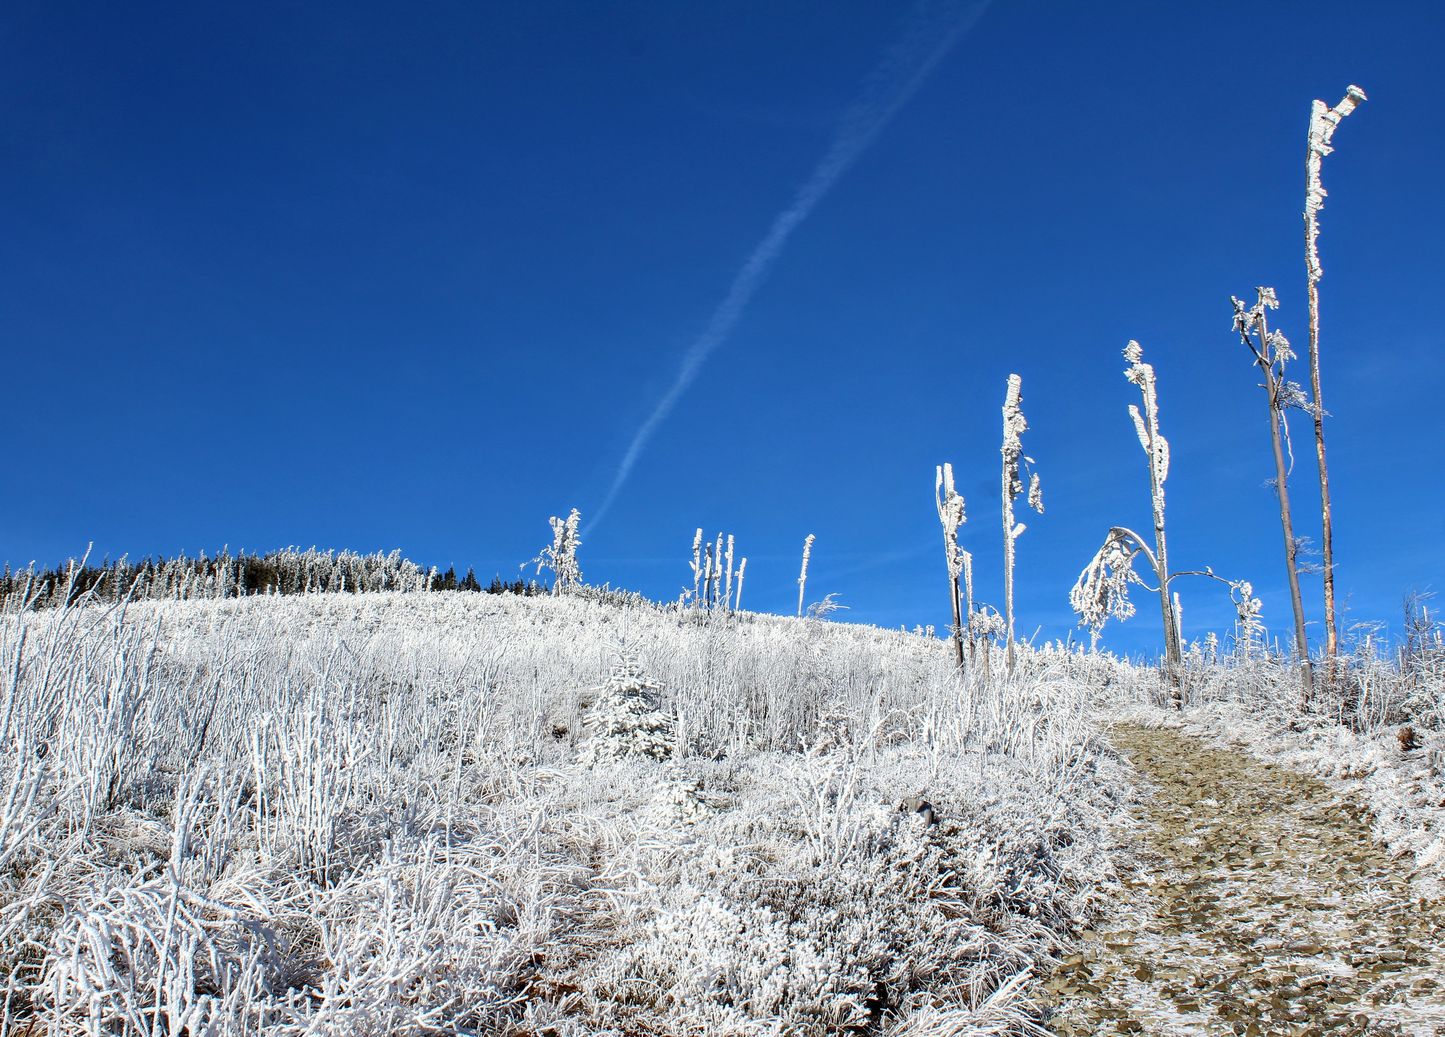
(626, 720)
(1248, 608)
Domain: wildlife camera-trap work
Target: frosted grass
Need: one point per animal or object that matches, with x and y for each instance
(366, 814)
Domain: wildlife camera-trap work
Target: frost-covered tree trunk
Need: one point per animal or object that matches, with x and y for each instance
(716, 593)
(728, 586)
(967, 560)
(1156, 449)
(803, 575)
(696, 566)
(1271, 354)
(951, 516)
(1323, 120)
(1014, 426)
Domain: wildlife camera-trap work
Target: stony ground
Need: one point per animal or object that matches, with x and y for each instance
(1257, 904)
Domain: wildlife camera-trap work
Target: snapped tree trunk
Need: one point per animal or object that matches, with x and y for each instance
(1323, 122)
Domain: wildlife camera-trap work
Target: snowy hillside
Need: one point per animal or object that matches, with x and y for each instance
(441, 813)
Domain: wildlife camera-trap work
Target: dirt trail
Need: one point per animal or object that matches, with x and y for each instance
(1258, 905)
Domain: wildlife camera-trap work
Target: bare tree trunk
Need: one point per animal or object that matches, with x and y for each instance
(1012, 451)
(968, 607)
(1008, 573)
(951, 515)
(957, 620)
(1291, 548)
(803, 575)
(1327, 534)
(1173, 655)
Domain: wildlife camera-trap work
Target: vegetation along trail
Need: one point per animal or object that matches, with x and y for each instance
(1257, 903)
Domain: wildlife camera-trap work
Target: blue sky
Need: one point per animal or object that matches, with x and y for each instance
(414, 276)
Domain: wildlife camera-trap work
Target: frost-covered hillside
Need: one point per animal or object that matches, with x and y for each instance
(442, 813)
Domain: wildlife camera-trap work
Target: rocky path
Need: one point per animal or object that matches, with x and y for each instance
(1258, 904)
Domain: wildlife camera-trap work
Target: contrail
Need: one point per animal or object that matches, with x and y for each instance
(932, 30)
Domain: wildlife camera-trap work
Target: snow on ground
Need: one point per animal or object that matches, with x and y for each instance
(369, 815)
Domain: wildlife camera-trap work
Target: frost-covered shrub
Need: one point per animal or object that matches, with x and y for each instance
(681, 799)
(626, 719)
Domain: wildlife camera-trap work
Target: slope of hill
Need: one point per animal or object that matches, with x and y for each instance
(424, 813)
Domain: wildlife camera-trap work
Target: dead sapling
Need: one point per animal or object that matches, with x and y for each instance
(1272, 353)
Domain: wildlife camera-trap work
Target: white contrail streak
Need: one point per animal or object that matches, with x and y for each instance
(931, 32)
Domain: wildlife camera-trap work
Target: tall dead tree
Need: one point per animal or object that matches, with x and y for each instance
(1323, 120)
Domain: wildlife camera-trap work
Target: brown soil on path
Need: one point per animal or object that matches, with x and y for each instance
(1256, 903)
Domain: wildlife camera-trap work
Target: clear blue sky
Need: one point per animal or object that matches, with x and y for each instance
(415, 275)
